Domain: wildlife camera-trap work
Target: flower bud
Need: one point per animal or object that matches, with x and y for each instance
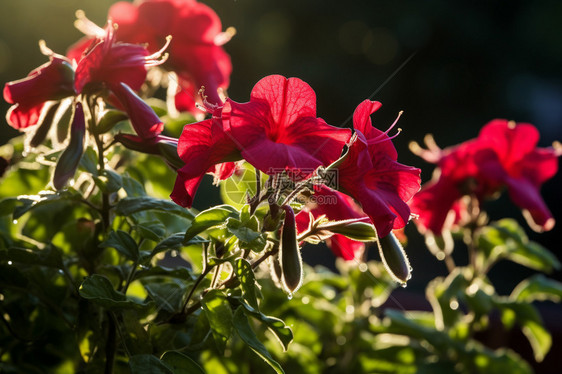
(360, 231)
(394, 258)
(291, 262)
(70, 158)
(45, 123)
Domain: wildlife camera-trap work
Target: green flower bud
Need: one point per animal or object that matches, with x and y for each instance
(291, 261)
(70, 158)
(394, 259)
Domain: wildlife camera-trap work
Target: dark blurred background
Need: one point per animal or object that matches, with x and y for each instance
(467, 62)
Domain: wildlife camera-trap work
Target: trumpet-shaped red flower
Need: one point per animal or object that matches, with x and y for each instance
(335, 206)
(503, 154)
(278, 130)
(370, 173)
(50, 81)
(196, 52)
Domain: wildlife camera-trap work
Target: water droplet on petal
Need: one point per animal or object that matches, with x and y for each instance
(289, 296)
(15, 222)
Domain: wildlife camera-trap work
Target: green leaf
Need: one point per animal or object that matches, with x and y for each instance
(245, 274)
(89, 161)
(167, 295)
(148, 364)
(131, 205)
(109, 181)
(209, 218)
(244, 330)
(219, 314)
(176, 241)
(49, 256)
(29, 202)
(506, 239)
(99, 290)
(241, 231)
(530, 321)
(21, 181)
(537, 287)
(122, 242)
(181, 364)
(151, 230)
(275, 325)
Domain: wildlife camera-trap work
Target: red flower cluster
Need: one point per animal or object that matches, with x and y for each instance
(195, 53)
(277, 130)
(106, 66)
(503, 155)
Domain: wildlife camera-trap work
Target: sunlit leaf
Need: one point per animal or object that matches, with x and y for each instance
(99, 290)
(244, 330)
(537, 287)
(219, 314)
(209, 218)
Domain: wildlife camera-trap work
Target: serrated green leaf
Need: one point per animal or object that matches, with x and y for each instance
(99, 290)
(209, 218)
(244, 330)
(181, 364)
(131, 205)
(537, 287)
(123, 243)
(148, 364)
(219, 314)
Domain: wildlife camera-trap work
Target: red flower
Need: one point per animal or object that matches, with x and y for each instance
(196, 54)
(335, 206)
(110, 63)
(504, 154)
(370, 174)
(205, 147)
(50, 81)
(278, 129)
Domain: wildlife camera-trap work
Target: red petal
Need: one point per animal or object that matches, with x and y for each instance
(20, 118)
(185, 188)
(527, 197)
(288, 99)
(145, 122)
